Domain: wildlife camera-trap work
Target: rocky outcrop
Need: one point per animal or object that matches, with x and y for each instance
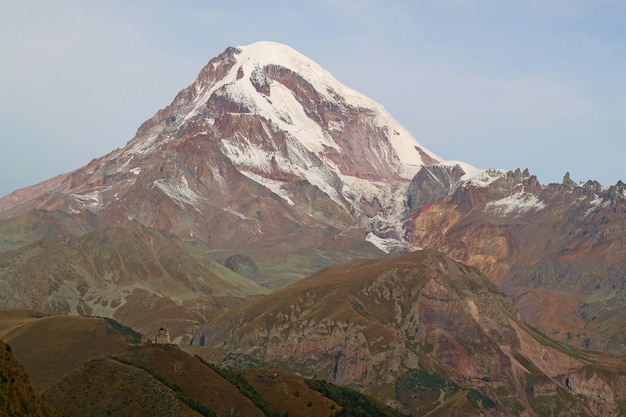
(431, 183)
(601, 394)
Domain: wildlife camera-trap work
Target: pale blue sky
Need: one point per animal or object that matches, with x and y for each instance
(529, 83)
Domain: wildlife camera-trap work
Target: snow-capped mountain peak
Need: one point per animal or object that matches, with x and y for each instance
(269, 116)
(297, 96)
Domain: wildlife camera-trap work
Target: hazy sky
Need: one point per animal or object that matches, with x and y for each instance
(530, 83)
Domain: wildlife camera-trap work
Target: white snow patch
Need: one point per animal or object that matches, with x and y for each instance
(245, 155)
(93, 199)
(272, 185)
(299, 124)
(484, 178)
(377, 241)
(594, 204)
(301, 163)
(218, 178)
(179, 192)
(317, 176)
(386, 245)
(520, 203)
(236, 213)
(473, 310)
(390, 219)
(470, 170)
(146, 145)
(283, 109)
(260, 54)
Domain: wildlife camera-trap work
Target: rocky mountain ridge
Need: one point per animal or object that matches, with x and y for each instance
(558, 250)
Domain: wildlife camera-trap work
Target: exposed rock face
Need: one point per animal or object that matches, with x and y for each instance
(601, 394)
(558, 250)
(431, 183)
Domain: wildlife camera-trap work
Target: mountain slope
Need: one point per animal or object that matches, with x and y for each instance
(390, 326)
(142, 277)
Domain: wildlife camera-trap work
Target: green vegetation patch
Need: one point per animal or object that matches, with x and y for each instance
(117, 327)
(423, 379)
(423, 388)
(242, 361)
(353, 403)
(476, 398)
(243, 386)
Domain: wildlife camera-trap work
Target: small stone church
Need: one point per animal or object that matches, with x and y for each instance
(163, 337)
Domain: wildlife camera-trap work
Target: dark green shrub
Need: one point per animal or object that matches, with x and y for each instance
(243, 386)
(117, 327)
(474, 396)
(353, 403)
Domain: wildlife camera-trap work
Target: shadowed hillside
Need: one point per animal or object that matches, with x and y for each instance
(17, 396)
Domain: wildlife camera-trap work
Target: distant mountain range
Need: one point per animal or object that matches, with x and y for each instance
(272, 211)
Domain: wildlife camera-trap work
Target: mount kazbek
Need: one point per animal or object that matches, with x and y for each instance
(265, 170)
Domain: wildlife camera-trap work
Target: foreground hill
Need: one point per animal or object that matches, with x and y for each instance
(163, 380)
(414, 327)
(51, 346)
(17, 396)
